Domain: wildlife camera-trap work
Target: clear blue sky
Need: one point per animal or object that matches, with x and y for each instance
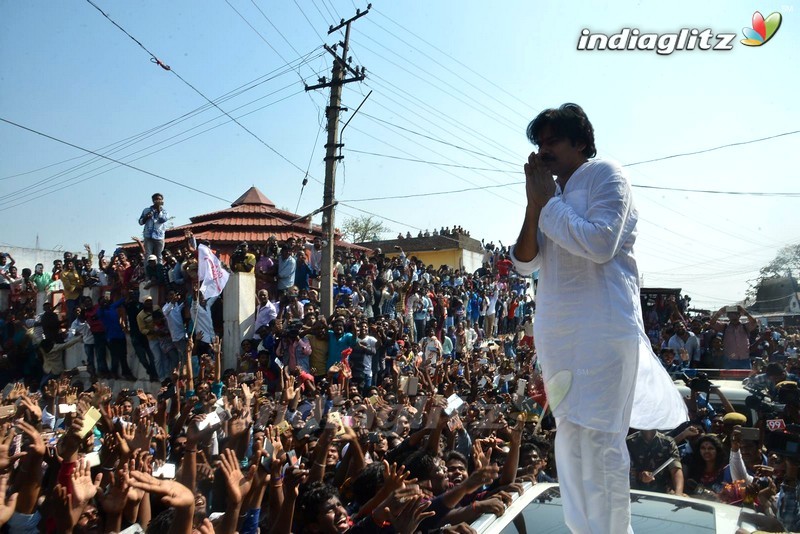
(470, 73)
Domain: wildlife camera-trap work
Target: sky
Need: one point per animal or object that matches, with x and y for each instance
(452, 86)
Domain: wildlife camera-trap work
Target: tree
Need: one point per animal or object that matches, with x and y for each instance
(786, 262)
(363, 228)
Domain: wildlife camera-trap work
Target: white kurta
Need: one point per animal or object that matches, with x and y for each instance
(588, 313)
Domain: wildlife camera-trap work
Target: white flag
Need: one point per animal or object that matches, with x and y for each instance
(210, 273)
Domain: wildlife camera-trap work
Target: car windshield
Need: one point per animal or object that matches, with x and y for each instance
(648, 514)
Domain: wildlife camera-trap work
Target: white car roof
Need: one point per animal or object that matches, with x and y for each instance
(726, 516)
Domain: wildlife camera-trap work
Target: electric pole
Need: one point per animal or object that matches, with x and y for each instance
(341, 69)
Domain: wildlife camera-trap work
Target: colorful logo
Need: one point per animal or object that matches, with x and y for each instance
(763, 29)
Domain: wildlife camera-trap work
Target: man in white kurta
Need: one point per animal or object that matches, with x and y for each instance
(600, 374)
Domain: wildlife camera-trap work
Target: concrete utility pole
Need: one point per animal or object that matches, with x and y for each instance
(341, 68)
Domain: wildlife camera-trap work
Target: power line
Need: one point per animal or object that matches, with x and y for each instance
(433, 111)
(442, 141)
(175, 182)
(505, 122)
(640, 186)
(438, 163)
(309, 21)
(380, 216)
(448, 69)
(716, 192)
(434, 193)
(466, 66)
(310, 159)
(50, 190)
(241, 89)
(127, 145)
(196, 90)
(314, 3)
(446, 171)
(720, 147)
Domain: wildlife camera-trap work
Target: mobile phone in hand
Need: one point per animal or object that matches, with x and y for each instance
(90, 419)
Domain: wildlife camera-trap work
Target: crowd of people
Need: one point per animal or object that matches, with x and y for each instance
(417, 405)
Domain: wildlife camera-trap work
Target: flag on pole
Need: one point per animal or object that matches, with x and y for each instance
(210, 273)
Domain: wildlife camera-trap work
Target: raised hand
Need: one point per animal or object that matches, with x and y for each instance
(7, 504)
(33, 408)
(124, 440)
(406, 518)
(289, 391)
(293, 478)
(83, 488)
(393, 477)
(115, 500)
(36, 447)
(6, 437)
(62, 509)
(493, 505)
(481, 477)
(172, 493)
(234, 478)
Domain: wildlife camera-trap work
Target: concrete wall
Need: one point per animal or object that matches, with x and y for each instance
(29, 257)
(75, 356)
(238, 315)
(471, 261)
(437, 258)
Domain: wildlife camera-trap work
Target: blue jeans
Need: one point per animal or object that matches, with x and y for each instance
(153, 246)
(419, 326)
(144, 355)
(71, 305)
(165, 361)
(99, 362)
(363, 380)
(88, 350)
(119, 355)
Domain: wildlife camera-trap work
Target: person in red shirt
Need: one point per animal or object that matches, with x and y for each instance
(503, 266)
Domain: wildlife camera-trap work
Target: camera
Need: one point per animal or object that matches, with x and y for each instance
(784, 442)
(699, 384)
(761, 482)
(761, 402)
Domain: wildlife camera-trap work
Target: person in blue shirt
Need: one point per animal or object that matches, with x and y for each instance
(154, 219)
(339, 340)
(108, 312)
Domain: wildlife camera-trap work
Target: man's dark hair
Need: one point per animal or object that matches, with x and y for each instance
(313, 499)
(568, 121)
(421, 465)
(162, 522)
(156, 195)
(368, 482)
(455, 455)
(774, 369)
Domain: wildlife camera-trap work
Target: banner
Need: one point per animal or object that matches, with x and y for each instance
(210, 273)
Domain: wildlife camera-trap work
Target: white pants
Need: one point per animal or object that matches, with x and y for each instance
(593, 469)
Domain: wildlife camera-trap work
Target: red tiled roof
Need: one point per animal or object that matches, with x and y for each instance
(252, 218)
(253, 196)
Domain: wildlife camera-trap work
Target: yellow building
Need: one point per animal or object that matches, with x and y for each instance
(453, 250)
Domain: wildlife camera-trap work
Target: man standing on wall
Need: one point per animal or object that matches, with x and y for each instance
(154, 219)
